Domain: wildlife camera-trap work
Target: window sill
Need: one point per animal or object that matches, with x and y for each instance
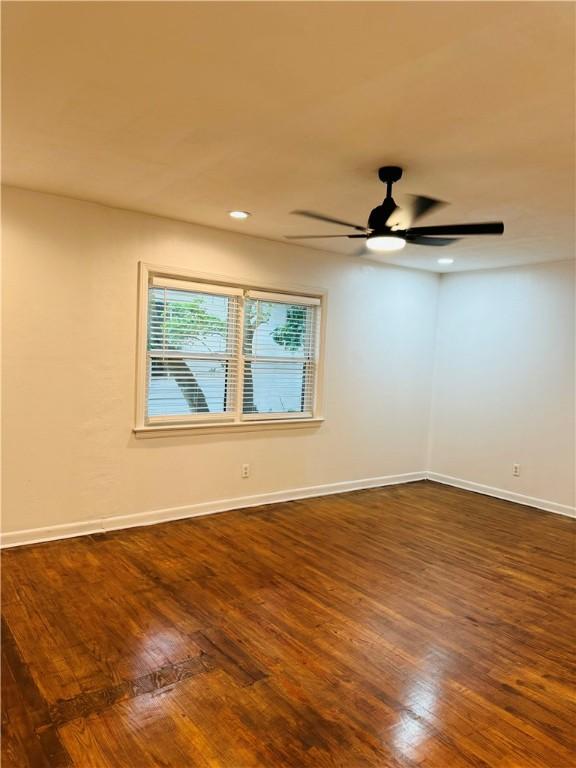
(178, 430)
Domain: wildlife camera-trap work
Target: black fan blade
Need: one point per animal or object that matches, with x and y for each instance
(484, 228)
(417, 206)
(423, 240)
(329, 219)
(423, 205)
(310, 237)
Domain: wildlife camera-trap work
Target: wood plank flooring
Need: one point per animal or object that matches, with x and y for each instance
(416, 625)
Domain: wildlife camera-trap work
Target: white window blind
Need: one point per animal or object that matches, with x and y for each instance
(279, 356)
(192, 353)
(224, 353)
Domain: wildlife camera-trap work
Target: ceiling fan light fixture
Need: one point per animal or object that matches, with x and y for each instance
(381, 243)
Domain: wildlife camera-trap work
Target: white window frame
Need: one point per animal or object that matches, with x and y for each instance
(146, 426)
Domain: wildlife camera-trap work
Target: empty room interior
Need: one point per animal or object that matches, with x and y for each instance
(288, 392)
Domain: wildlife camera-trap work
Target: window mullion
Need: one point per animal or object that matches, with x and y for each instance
(240, 360)
(164, 320)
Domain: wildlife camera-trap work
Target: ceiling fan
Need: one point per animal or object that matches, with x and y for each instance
(390, 227)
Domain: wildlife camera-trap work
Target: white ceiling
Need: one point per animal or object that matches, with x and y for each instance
(190, 109)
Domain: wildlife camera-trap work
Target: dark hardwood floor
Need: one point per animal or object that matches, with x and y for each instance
(415, 625)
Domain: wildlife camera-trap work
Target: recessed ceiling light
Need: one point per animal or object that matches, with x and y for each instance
(445, 261)
(238, 214)
(385, 243)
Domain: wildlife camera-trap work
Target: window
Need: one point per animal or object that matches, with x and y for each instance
(192, 349)
(225, 354)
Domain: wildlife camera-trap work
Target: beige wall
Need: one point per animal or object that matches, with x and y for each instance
(70, 289)
(492, 351)
(504, 382)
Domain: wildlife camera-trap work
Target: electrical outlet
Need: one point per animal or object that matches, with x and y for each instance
(245, 470)
(516, 470)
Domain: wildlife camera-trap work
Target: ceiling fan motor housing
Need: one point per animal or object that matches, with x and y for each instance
(380, 215)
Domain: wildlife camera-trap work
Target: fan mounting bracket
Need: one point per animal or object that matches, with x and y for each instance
(388, 174)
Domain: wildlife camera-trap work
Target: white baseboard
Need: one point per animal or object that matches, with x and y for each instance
(37, 535)
(103, 524)
(499, 493)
